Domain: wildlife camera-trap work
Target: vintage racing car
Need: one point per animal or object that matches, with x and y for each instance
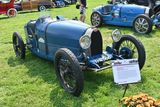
(75, 47)
(121, 14)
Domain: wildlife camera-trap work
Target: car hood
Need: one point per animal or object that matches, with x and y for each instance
(67, 31)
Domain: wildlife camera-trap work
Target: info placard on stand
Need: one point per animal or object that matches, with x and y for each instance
(126, 71)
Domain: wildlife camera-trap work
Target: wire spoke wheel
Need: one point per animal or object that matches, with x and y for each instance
(68, 71)
(67, 74)
(132, 51)
(130, 48)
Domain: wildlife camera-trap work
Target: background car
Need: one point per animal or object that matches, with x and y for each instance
(75, 47)
(7, 7)
(21, 5)
(63, 3)
(153, 4)
(121, 14)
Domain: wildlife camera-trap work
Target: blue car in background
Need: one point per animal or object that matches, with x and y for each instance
(140, 18)
(63, 3)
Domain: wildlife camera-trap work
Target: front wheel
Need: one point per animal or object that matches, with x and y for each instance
(68, 71)
(96, 19)
(142, 24)
(129, 47)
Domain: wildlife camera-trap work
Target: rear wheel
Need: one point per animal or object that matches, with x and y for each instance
(18, 45)
(69, 72)
(129, 47)
(12, 12)
(96, 19)
(142, 24)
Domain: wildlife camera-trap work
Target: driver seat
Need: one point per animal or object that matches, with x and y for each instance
(107, 9)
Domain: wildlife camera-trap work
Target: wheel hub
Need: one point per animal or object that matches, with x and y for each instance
(66, 74)
(126, 53)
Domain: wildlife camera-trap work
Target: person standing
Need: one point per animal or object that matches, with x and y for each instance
(82, 8)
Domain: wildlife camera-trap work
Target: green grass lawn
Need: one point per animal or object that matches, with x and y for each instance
(33, 83)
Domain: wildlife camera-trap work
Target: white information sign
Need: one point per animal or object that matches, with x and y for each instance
(126, 71)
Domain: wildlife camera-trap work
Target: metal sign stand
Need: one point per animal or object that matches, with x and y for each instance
(126, 87)
(124, 93)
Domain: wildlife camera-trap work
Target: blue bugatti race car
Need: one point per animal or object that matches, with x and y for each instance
(140, 18)
(75, 47)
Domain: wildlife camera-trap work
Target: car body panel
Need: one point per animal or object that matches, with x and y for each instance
(50, 32)
(5, 6)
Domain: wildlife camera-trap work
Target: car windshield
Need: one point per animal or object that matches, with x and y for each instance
(5, 1)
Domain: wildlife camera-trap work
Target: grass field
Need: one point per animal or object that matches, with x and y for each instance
(33, 83)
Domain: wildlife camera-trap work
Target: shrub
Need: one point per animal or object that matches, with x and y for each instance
(140, 100)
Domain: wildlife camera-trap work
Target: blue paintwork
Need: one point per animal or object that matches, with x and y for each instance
(124, 14)
(57, 34)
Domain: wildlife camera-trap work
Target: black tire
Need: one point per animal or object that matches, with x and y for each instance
(142, 28)
(65, 59)
(18, 45)
(141, 55)
(41, 8)
(96, 19)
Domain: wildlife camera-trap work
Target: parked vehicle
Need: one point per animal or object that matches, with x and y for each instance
(63, 3)
(7, 7)
(153, 4)
(120, 14)
(60, 3)
(75, 47)
(70, 2)
(21, 5)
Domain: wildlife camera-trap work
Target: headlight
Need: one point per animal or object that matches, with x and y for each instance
(85, 42)
(116, 35)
